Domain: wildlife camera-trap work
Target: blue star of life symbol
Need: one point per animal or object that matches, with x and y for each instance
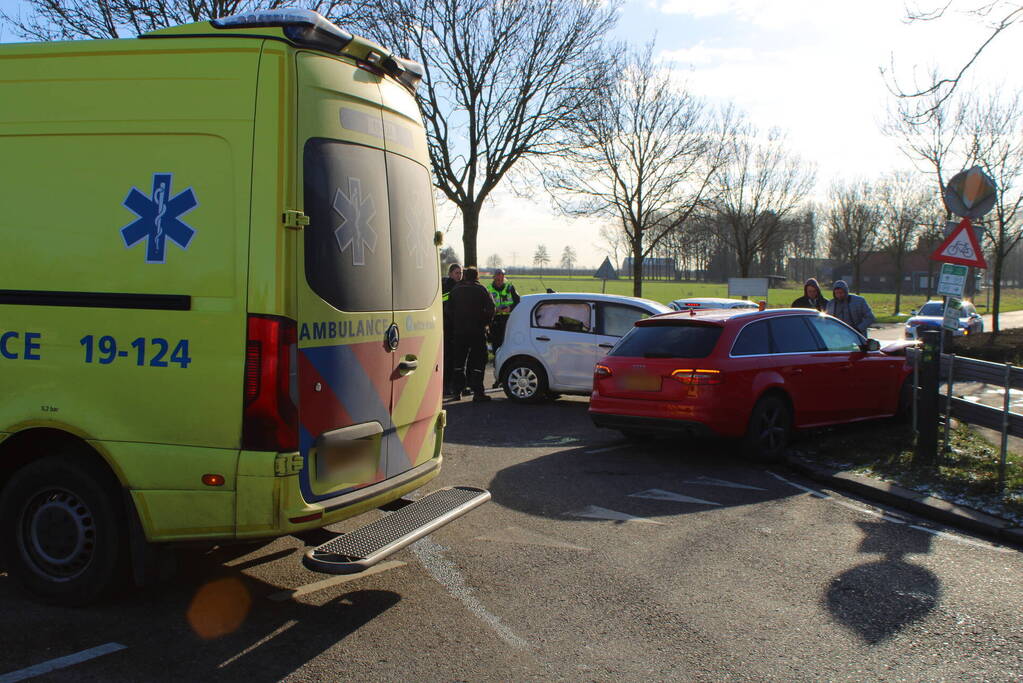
(356, 213)
(159, 218)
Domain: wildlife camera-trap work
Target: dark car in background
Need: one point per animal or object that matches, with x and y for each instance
(932, 313)
(752, 375)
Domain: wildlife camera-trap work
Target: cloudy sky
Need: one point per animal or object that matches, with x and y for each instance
(810, 67)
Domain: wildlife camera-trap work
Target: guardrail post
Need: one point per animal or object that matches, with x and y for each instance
(1005, 429)
(927, 400)
(949, 381)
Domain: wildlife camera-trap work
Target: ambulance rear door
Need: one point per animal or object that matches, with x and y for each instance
(347, 337)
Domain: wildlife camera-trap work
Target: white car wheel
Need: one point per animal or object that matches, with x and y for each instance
(525, 381)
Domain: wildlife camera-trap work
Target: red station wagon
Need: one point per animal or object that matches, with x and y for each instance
(754, 375)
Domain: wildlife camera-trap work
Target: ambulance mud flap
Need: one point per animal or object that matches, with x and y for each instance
(361, 549)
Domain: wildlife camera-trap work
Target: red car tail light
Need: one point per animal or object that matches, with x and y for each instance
(269, 414)
(602, 371)
(696, 376)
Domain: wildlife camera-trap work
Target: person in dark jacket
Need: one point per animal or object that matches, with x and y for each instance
(850, 308)
(446, 285)
(470, 309)
(812, 297)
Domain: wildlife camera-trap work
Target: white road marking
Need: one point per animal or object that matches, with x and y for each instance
(605, 450)
(518, 535)
(333, 581)
(812, 492)
(446, 574)
(52, 665)
(596, 512)
(960, 539)
(276, 632)
(661, 494)
(710, 481)
(895, 520)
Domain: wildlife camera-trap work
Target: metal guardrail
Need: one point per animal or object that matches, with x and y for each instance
(958, 369)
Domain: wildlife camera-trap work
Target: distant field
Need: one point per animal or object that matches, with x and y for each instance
(664, 291)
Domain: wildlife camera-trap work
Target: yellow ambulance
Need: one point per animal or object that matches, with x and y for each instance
(220, 312)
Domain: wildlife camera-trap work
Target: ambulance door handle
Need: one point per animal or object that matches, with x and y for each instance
(408, 364)
(543, 338)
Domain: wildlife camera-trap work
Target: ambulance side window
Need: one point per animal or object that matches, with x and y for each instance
(348, 239)
(413, 254)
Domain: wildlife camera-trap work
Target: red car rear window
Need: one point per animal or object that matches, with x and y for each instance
(669, 341)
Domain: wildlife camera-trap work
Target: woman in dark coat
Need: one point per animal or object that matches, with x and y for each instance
(812, 297)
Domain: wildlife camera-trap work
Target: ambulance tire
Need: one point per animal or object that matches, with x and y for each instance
(59, 530)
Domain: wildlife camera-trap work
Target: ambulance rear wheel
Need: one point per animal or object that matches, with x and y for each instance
(59, 530)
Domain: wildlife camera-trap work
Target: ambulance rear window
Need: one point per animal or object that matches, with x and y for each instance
(370, 217)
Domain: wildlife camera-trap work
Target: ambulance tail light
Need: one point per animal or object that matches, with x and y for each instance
(269, 414)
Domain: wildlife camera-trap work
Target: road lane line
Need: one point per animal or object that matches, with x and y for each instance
(888, 518)
(661, 494)
(446, 574)
(812, 492)
(960, 539)
(605, 450)
(597, 512)
(261, 641)
(61, 663)
(333, 581)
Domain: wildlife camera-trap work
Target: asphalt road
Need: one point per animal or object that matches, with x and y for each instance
(597, 560)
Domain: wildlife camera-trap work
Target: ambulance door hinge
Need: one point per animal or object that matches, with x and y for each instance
(296, 220)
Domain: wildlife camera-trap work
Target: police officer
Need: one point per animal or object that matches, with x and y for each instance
(446, 285)
(505, 299)
(470, 308)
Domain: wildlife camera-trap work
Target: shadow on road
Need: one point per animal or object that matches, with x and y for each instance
(210, 621)
(649, 478)
(503, 423)
(879, 599)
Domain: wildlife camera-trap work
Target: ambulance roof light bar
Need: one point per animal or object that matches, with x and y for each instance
(301, 26)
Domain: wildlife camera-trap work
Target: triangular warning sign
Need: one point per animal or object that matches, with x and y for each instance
(961, 247)
(606, 271)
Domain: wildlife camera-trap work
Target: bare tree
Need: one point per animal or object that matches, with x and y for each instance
(996, 15)
(760, 184)
(996, 126)
(541, 258)
(852, 219)
(614, 241)
(501, 79)
(448, 255)
(905, 205)
(643, 152)
(494, 261)
(568, 258)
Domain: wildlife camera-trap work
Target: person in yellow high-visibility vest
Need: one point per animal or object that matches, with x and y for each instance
(505, 299)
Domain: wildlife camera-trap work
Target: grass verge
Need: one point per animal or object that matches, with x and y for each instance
(968, 475)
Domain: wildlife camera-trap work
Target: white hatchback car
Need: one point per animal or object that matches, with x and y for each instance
(553, 341)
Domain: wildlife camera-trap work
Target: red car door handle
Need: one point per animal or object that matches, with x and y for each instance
(847, 366)
(794, 371)
(543, 338)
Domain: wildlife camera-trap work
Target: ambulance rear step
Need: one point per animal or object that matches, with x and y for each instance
(361, 549)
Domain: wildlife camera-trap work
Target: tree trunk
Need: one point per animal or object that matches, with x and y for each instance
(898, 290)
(470, 229)
(996, 285)
(637, 265)
(856, 276)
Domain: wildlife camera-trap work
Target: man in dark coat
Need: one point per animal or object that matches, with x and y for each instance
(812, 297)
(470, 310)
(446, 285)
